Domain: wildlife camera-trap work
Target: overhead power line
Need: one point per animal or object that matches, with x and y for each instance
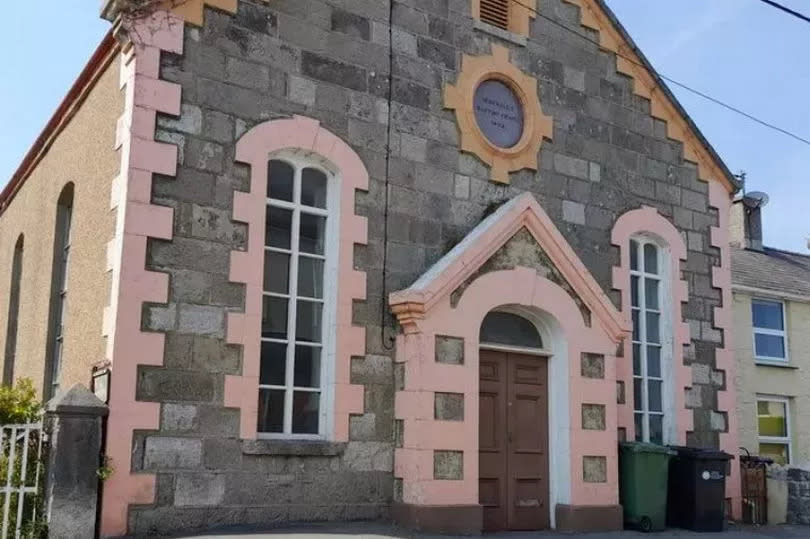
(673, 81)
(786, 9)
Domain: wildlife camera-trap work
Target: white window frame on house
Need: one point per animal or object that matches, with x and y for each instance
(776, 440)
(300, 161)
(783, 333)
(641, 342)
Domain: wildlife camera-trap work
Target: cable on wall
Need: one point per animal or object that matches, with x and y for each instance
(387, 343)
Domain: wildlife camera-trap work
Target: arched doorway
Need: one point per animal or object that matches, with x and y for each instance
(513, 448)
(441, 315)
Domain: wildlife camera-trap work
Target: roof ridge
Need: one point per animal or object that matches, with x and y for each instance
(779, 271)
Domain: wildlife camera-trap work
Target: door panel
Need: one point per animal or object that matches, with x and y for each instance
(492, 481)
(527, 463)
(513, 441)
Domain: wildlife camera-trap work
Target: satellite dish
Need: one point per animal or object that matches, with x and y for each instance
(755, 199)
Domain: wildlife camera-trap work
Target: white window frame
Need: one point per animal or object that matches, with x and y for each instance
(766, 331)
(780, 440)
(664, 278)
(299, 161)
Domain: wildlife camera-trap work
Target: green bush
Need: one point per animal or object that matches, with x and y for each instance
(19, 404)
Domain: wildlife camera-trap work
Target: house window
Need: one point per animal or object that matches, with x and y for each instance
(13, 313)
(649, 361)
(298, 299)
(770, 340)
(773, 422)
(59, 284)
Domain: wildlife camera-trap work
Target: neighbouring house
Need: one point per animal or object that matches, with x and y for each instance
(359, 259)
(771, 339)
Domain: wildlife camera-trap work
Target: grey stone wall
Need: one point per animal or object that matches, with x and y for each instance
(329, 59)
(798, 492)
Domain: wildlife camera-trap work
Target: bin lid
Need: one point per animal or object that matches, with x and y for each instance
(642, 447)
(698, 453)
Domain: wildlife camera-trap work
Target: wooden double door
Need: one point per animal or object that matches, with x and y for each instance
(513, 441)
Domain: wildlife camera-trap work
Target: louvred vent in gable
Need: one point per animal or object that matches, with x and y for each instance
(495, 12)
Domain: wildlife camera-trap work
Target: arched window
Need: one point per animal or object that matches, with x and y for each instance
(59, 283)
(299, 298)
(649, 295)
(507, 329)
(13, 313)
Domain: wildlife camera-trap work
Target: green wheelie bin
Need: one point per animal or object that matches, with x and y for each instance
(643, 472)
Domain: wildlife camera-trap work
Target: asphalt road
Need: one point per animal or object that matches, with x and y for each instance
(367, 530)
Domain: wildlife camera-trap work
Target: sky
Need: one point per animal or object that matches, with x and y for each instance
(754, 57)
(742, 52)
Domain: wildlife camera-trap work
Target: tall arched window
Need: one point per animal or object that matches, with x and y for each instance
(651, 333)
(13, 313)
(299, 298)
(59, 283)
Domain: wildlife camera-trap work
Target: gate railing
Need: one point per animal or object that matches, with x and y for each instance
(21, 475)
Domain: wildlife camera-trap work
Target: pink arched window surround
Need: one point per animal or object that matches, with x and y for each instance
(255, 148)
(646, 224)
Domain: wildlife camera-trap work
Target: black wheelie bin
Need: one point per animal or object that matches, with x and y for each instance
(696, 497)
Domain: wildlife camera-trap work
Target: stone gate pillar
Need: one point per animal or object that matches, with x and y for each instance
(73, 420)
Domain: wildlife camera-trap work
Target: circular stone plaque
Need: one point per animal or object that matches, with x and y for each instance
(498, 113)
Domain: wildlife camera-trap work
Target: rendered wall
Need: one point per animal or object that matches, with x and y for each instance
(84, 154)
(792, 381)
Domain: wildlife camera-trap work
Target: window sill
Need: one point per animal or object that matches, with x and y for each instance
(777, 364)
(506, 35)
(293, 448)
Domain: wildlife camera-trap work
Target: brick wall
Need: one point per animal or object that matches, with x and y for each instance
(329, 60)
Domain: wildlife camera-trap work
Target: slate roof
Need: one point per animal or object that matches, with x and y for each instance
(771, 269)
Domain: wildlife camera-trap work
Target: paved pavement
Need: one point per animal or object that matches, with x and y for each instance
(366, 530)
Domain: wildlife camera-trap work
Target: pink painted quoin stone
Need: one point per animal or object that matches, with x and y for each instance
(724, 359)
(132, 285)
(255, 148)
(647, 221)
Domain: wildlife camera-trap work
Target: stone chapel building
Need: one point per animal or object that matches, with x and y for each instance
(420, 260)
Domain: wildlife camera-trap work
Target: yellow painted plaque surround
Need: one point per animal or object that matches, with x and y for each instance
(536, 125)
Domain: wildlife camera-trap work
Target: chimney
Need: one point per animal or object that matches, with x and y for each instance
(745, 224)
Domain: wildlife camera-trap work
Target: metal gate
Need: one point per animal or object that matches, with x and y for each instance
(21, 471)
(753, 472)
